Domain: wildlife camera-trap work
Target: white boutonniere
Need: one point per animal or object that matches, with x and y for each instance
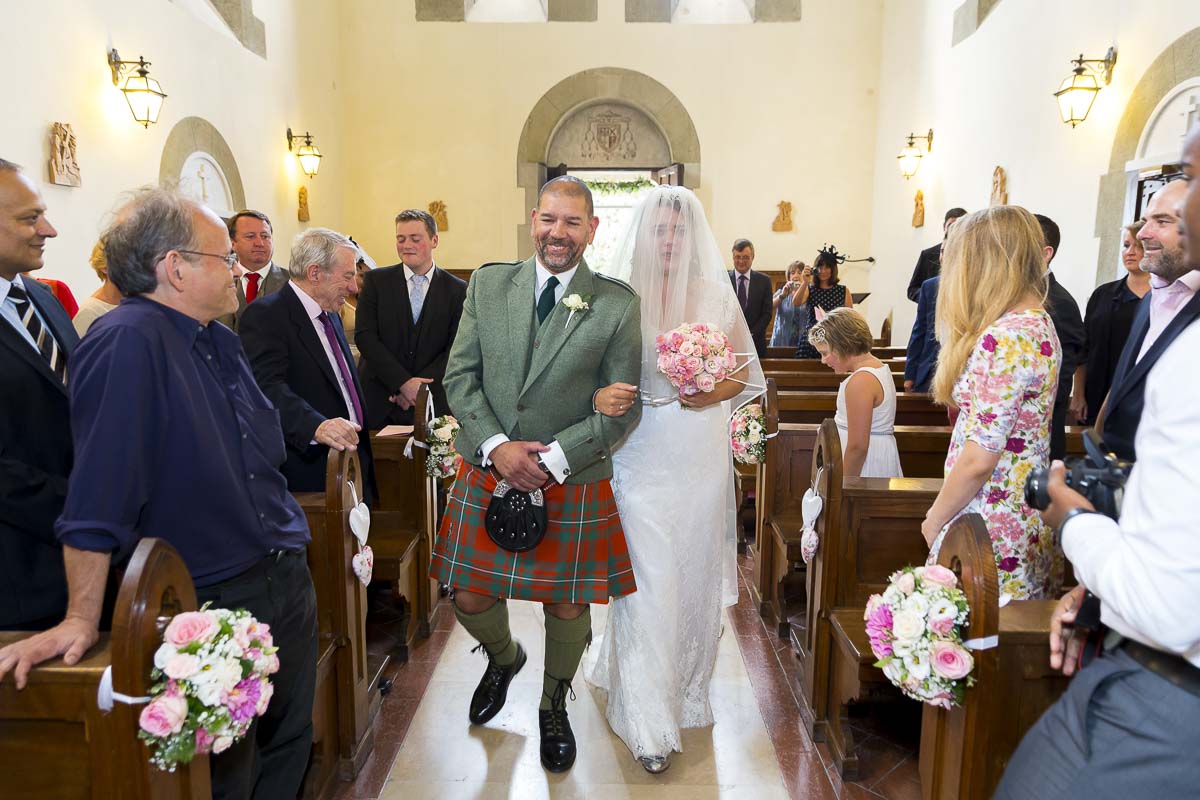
(575, 303)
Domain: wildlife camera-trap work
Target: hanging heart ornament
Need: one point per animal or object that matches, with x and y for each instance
(363, 564)
(360, 522)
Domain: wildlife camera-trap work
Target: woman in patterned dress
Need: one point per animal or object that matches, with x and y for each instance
(999, 366)
(822, 290)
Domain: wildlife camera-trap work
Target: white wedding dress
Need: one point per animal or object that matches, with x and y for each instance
(673, 478)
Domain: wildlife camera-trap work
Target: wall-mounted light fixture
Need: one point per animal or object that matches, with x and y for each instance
(1079, 89)
(910, 157)
(144, 94)
(310, 157)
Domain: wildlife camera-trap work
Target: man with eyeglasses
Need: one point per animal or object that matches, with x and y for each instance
(174, 439)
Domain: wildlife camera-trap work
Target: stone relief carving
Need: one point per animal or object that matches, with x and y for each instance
(999, 187)
(64, 168)
(608, 135)
(918, 218)
(302, 212)
(783, 220)
(437, 210)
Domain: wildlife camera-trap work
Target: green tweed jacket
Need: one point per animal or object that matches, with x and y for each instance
(507, 375)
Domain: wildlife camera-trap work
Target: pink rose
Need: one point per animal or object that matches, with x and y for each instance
(264, 696)
(942, 625)
(182, 666)
(222, 744)
(687, 349)
(906, 584)
(951, 661)
(705, 382)
(204, 741)
(188, 627)
(939, 576)
(165, 715)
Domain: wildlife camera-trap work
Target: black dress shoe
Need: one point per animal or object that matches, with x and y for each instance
(492, 690)
(558, 740)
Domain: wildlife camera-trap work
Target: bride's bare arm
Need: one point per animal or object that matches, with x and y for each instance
(615, 399)
(724, 390)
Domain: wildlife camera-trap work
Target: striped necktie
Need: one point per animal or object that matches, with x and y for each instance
(45, 341)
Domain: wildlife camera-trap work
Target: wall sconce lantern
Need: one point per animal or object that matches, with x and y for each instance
(144, 94)
(1079, 89)
(310, 157)
(910, 157)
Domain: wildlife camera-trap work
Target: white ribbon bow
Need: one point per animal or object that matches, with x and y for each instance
(105, 694)
(429, 415)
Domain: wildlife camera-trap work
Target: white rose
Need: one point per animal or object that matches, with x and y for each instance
(754, 426)
(163, 654)
(892, 596)
(908, 626)
(902, 647)
(916, 603)
(893, 670)
(754, 437)
(917, 665)
(942, 607)
(208, 692)
(443, 433)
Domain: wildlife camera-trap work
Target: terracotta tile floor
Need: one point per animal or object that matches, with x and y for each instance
(449, 759)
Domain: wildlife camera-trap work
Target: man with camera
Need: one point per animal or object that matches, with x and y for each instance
(1129, 721)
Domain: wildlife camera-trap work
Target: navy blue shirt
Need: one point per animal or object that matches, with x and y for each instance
(174, 439)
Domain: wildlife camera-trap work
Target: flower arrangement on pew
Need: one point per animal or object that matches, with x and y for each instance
(444, 460)
(915, 632)
(747, 434)
(212, 670)
(695, 357)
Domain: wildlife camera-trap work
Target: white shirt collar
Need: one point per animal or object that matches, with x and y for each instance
(261, 273)
(311, 306)
(6, 284)
(543, 275)
(408, 273)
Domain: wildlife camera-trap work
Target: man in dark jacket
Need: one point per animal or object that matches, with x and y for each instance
(929, 263)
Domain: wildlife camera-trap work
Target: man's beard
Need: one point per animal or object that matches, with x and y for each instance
(562, 264)
(1169, 265)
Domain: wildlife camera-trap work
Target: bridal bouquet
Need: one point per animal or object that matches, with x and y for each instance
(695, 357)
(212, 670)
(443, 459)
(747, 434)
(915, 632)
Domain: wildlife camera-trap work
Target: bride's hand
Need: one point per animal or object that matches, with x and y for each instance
(615, 399)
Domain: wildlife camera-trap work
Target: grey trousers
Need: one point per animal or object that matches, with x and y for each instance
(1119, 731)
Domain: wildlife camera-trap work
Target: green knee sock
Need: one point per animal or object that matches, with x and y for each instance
(490, 629)
(566, 639)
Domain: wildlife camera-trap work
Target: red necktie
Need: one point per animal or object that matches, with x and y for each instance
(251, 286)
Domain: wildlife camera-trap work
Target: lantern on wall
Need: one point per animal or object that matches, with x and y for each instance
(143, 93)
(1078, 91)
(308, 153)
(910, 157)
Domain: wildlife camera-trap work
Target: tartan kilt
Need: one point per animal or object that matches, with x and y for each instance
(582, 559)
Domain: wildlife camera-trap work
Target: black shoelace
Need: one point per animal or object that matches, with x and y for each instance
(495, 672)
(556, 717)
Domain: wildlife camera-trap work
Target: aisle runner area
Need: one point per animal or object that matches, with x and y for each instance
(445, 758)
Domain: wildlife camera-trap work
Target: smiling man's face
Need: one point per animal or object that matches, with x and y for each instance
(24, 228)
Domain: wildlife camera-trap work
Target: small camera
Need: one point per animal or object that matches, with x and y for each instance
(1099, 476)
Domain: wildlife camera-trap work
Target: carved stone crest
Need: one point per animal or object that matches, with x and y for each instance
(64, 168)
(609, 135)
(437, 210)
(999, 187)
(783, 220)
(302, 212)
(918, 219)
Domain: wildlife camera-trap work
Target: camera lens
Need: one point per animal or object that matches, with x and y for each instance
(1036, 494)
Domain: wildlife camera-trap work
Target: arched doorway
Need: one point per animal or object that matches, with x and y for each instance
(607, 121)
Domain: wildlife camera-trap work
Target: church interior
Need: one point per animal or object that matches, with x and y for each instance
(800, 125)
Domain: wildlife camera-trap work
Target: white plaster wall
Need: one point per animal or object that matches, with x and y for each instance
(989, 101)
(54, 59)
(782, 111)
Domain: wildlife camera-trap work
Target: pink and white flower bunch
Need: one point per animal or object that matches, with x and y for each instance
(915, 632)
(212, 670)
(695, 357)
(443, 459)
(748, 434)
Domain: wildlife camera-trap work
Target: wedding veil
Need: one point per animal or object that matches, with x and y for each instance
(671, 258)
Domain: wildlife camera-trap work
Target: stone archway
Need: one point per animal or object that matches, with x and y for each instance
(611, 84)
(1178, 62)
(192, 135)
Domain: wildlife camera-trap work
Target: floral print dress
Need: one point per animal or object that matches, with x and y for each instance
(1006, 398)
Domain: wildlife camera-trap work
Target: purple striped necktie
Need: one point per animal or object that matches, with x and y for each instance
(336, 346)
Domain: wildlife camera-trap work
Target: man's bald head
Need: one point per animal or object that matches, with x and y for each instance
(569, 186)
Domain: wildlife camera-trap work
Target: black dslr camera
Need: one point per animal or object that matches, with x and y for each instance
(1099, 476)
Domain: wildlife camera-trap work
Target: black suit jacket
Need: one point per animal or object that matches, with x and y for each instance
(929, 265)
(393, 349)
(35, 460)
(758, 307)
(923, 347)
(1068, 324)
(1123, 409)
(291, 367)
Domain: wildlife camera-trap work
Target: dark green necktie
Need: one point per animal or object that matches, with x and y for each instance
(546, 300)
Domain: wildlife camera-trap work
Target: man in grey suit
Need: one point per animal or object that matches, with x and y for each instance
(753, 290)
(251, 234)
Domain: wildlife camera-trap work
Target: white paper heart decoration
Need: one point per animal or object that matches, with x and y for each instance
(360, 522)
(808, 544)
(363, 564)
(811, 507)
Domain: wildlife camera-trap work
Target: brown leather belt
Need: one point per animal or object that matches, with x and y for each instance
(1168, 666)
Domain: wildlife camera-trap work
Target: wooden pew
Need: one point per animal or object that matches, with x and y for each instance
(881, 351)
(347, 697)
(54, 740)
(810, 365)
(826, 381)
(816, 406)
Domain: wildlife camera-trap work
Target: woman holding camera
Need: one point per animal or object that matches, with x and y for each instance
(820, 289)
(999, 366)
(790, 317)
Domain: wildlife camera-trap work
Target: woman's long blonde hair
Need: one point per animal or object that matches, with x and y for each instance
(993, 259)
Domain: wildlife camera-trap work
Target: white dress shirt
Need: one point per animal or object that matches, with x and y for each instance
(1146, 569)
(1166, 301)
(555, 459)
(313, 309)
(408, 276)
(8, 310)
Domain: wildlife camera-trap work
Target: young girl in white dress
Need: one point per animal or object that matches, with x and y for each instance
(866, 401)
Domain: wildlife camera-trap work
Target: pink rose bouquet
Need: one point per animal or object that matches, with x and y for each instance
(748, 434)
(695, 357)
(212, 670)
(915, 629)
(443, 459)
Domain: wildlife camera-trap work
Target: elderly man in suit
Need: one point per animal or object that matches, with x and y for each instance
(538, 339)
(251, 234)
(753, 290)
(36, 343)
(406, 320)
(302, 361)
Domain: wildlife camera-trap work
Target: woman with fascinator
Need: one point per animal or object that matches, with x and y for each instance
(674, 485)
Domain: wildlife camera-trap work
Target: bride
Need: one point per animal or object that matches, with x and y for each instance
(674, 484)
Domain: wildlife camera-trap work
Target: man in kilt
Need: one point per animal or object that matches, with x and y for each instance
(536, 340)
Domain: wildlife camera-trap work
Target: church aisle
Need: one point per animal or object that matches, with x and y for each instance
(443, 756)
